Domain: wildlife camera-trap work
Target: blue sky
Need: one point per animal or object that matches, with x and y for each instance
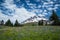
(24, 9)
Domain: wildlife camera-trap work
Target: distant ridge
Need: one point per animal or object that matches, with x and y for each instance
(34, 19)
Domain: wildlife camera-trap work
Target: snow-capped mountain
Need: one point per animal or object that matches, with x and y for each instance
(35, 18)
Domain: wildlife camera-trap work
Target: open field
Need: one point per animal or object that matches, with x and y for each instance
(30, 33)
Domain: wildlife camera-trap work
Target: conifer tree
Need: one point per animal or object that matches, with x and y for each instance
(40, 22)
(16, 23)
(54, 18)
(8, 23)
(2, 22)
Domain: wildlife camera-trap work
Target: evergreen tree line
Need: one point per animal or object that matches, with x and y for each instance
(9, 23)
(53, 18)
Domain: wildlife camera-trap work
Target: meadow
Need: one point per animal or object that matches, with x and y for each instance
(30, 33)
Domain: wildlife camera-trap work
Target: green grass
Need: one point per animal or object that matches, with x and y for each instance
(30, 33)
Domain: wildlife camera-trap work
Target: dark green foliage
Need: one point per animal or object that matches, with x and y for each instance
(54, 18)
(17, 23)
(2, 22)
(40, 22)
(8, 23)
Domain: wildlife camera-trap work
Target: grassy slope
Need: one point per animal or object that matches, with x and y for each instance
(30, 33)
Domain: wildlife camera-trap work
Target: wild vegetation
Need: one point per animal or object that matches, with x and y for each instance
(30, 33)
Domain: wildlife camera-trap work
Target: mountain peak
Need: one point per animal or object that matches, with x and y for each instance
(35, 18)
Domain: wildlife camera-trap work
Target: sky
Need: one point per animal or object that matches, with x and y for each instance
(24, 9)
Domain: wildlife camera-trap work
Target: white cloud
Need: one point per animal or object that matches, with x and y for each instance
(44, 13)
(41, 15)
(57, 5)
(20, 14)
(33, 6)
(39, 6)
(23, 13)
(45, 3)
(51, 2)
(29, 4)
(9, 1)
(35, 10)
(45, 10)
(50, 8)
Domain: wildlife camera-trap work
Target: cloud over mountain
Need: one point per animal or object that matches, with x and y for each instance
(22, 10)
